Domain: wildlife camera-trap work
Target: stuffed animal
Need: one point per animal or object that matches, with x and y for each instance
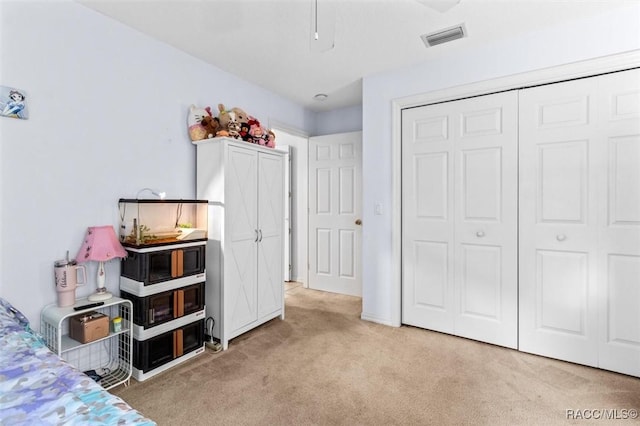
(233, 126)
(236, 123)
(271, 139)
(237, 115)
(256, 132)
(244, 132)
(241, 116)
(197, 131)
(211, 126)
(259, 135)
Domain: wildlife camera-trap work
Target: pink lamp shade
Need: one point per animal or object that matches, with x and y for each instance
(100, 244)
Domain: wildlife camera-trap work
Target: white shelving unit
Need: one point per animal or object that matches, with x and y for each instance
(112, 353)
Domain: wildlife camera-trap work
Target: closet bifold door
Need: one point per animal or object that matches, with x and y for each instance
(618, 253)
(580, 221)
(486, 219)
(459, 218)
(558, 231)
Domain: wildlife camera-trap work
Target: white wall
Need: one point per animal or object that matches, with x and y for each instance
(342, 120)
(616, 32)
(108, 110)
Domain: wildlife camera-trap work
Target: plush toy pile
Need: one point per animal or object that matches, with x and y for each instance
(234, 123)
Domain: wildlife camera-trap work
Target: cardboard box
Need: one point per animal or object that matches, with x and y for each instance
(88, 327)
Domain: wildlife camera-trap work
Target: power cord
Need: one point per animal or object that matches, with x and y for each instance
(209, 342)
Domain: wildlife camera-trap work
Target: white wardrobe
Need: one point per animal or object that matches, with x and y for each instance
(521, 219)
(244, 184)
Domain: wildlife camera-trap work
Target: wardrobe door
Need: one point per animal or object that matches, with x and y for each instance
(618, 102)
(270, 228)
(459, 179)
(241, 235)
(559, 175)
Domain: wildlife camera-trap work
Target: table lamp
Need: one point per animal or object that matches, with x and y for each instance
(100, 245)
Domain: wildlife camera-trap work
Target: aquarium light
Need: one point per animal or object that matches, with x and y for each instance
(162, 195)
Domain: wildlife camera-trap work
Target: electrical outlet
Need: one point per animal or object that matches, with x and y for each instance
(214, 346)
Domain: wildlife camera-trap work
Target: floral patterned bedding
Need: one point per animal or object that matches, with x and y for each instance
(39, 388)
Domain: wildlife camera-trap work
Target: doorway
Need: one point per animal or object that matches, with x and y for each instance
(335, 212)
(297, 144)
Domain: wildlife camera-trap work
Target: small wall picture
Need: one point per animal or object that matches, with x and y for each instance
(13, 103)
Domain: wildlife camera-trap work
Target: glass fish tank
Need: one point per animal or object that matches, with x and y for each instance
(145, 223)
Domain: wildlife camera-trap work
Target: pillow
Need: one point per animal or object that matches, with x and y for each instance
(9, 314)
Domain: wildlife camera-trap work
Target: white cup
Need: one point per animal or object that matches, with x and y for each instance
(66, 275)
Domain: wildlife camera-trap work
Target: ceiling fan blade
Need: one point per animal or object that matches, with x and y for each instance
(439, 5)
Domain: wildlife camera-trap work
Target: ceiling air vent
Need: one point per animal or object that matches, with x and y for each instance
(444, 36)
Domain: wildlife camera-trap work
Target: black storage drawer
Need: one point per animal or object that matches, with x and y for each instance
(152, 267)
(159, 350)
(150, 311)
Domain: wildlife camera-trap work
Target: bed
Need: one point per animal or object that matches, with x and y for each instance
(39, 388)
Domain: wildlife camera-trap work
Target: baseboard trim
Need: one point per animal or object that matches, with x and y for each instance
(373, 318)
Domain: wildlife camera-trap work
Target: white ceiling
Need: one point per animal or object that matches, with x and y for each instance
(271, 42)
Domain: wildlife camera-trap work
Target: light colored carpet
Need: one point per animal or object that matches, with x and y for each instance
(322, 365)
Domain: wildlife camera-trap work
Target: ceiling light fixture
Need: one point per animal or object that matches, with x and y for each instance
(321, 97)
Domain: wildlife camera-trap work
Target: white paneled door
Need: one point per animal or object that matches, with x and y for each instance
(459, 218)
(558, 232)
(619, 224)
(580, 221)
(335, 193)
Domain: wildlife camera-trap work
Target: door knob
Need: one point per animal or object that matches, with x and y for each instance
(358, 222)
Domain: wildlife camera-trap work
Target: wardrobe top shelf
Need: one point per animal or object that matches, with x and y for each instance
(238, 142)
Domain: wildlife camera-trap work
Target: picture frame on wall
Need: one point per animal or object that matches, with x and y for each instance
(13, 103)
